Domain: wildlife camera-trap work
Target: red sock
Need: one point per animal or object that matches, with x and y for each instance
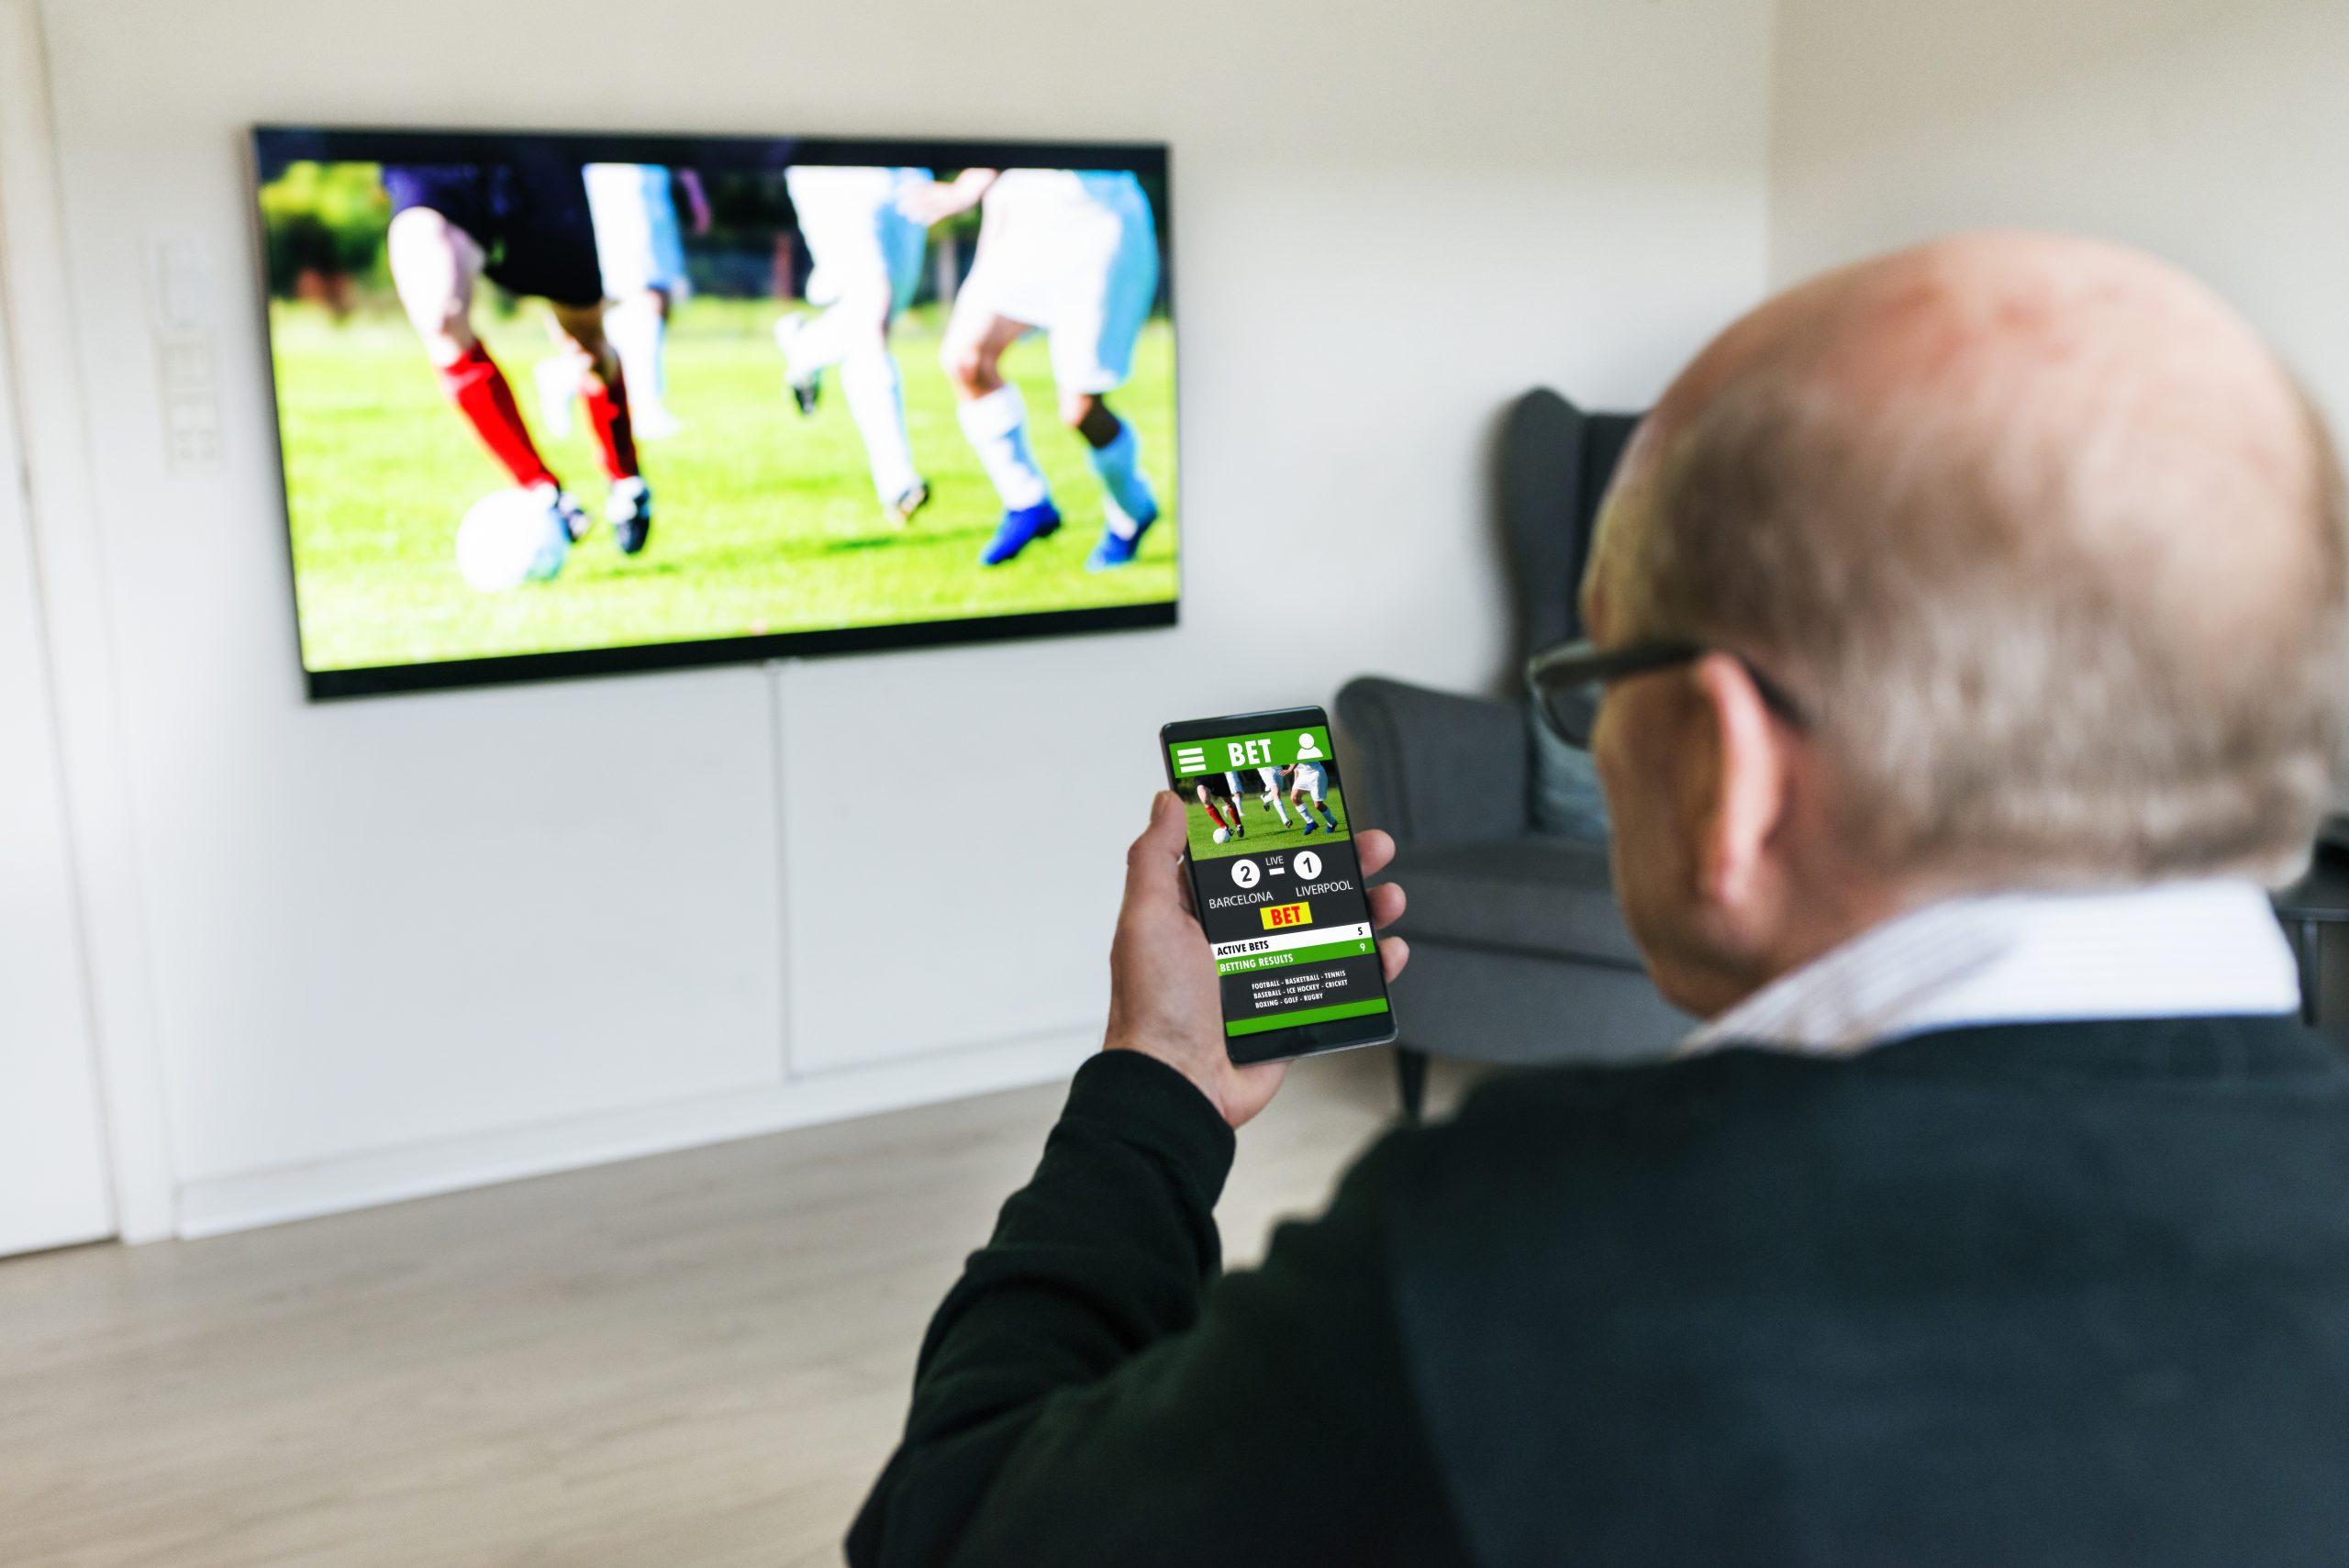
(1214, 813)
(607, 398)
(478, 388)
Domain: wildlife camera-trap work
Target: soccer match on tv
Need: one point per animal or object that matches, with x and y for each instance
(536, 400)
(1249, 810)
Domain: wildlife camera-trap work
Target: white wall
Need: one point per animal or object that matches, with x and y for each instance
(407, 943)
(2214, 132)
(54, 1188)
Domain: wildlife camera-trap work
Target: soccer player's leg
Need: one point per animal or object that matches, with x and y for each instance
(638, 327)
(838, 237)
(434, 264)
(1129, 505)
(1093, 352)
(639, 253)
(1299, 797)
(811, 345)
(876, 402)
(1233, 793)
(1317, 785)
(1271, 779)
(876, 396)
(560, 376)
(1207, 800)
(853, 333)
(995, 421)
(627, 505)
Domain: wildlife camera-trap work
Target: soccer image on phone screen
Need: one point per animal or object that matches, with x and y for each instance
(1278, 888)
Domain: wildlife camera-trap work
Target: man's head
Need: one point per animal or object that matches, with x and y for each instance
(2050, 554)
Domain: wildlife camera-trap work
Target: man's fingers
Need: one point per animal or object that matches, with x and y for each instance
(1374, 850)
(1386, 901)
(1394, 952)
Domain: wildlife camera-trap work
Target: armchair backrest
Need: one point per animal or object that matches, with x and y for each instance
(1557, 460)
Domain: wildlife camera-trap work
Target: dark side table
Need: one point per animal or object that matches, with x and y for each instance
(2306, 907)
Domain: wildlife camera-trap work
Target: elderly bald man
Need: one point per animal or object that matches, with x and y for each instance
(1969, 645)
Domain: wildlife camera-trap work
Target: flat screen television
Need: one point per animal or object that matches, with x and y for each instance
(562, 404)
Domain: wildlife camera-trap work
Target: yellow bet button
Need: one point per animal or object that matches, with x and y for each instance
(1280, 917)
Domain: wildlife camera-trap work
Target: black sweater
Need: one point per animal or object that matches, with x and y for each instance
(2069, 1295)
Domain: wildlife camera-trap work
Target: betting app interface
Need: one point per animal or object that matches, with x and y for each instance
(1279, 890)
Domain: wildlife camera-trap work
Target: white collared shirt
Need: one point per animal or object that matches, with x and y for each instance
(2176, 950)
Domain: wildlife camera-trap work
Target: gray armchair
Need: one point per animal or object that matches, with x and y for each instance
(1519, 953)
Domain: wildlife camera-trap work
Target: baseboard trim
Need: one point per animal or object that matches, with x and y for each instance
(215, 1206)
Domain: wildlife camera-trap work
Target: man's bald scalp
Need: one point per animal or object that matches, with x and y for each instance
(2046, 540)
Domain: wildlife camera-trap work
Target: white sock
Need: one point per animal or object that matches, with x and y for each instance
(1131, 502)
(558, 376)
(1274, 802)
(996, 426)
(635, 327)
(876, 402)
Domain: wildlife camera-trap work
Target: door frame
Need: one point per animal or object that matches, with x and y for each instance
(69, 553)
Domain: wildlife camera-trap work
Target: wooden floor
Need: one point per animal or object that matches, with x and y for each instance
(696, 1359)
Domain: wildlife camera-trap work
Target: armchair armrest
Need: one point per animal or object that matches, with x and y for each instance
(1433, 767)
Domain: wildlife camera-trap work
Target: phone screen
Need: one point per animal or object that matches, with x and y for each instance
(1276, 883)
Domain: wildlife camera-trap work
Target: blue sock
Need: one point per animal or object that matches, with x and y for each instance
(1131, 502)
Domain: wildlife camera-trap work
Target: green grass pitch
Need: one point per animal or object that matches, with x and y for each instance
(763, 522)
(1265, 830)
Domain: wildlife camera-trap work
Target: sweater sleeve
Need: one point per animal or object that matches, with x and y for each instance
(1090, 1393)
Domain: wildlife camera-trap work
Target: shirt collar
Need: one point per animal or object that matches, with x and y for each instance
(2204, 949)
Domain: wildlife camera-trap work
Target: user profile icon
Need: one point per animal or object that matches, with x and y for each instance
(1306, 751)
(1246, 873)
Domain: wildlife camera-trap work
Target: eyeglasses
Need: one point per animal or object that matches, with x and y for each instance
(1568, 680)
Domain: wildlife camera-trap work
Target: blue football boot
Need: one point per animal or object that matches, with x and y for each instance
(1116, 549)
(1019, 530)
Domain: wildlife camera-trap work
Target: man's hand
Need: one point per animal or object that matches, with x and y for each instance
(1165, 1000)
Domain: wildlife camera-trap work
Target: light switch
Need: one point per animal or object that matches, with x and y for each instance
(179, 300)
(183, 283)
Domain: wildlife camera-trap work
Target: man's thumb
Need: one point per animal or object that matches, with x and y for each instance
(1151, 863)
(1166, 831)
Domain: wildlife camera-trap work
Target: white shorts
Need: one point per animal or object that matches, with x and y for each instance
(1075, 253)
(638, 243)
(862, 247)
(1309, 777)
(1272, 777)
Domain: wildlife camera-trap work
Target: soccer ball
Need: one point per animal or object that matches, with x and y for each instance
(510, 538)
(1222, 835)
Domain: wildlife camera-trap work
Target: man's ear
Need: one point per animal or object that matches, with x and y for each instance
(1746, 796)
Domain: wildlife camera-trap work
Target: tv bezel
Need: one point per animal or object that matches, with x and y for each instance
(270, 145)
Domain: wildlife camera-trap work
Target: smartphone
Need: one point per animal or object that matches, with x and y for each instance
(1277, 885)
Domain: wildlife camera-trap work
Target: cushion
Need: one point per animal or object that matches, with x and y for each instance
(1566, 797)
(1547, 896)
